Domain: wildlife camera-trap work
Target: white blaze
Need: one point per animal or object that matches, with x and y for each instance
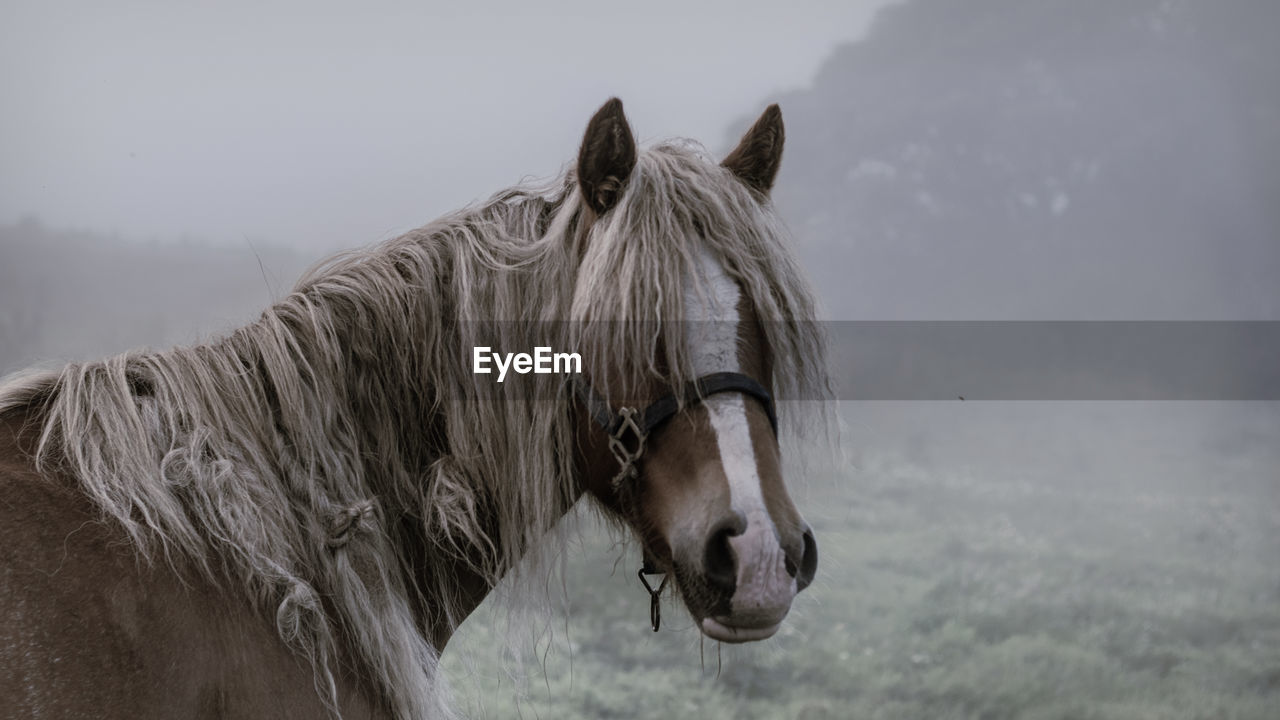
(712, 339)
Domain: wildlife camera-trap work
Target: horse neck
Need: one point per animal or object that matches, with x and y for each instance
(452, 567)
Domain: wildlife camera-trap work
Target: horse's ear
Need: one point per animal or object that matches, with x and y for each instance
(607, 157)
(756, 159)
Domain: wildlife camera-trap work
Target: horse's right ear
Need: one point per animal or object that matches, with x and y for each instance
(607, 157)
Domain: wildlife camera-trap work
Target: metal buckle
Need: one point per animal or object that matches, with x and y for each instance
(655, 604)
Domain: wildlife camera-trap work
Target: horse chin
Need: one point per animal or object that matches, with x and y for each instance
(724, 631)
(715, 617)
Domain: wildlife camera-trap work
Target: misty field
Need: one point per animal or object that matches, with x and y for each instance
(1083, 588)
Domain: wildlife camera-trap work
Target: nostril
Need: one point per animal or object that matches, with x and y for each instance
(718, 559)
(808, 561)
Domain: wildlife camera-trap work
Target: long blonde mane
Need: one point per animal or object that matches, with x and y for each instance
(300, 456)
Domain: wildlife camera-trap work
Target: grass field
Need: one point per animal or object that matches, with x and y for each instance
(945, 591)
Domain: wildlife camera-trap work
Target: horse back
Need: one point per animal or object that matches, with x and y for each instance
(89, 629)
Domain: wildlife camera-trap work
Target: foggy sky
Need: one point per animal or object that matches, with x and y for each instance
(331, 126)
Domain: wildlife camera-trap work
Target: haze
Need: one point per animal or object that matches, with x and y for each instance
(328, 125)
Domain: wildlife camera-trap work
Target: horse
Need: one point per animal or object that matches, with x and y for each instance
(292, 519)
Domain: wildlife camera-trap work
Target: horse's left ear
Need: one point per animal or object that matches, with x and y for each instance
(607, 157)
(756, 159)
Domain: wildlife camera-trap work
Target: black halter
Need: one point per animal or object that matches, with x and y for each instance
(629, 428)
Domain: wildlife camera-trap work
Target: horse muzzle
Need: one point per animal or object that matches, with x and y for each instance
(754, 574)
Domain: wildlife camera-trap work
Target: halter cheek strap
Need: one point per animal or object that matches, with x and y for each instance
(640, 424)
(628, 428)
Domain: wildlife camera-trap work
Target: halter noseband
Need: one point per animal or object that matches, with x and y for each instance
(629, 428)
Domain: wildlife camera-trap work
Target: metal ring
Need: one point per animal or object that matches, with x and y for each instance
(655, 598)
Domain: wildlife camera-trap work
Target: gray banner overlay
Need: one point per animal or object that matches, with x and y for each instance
(982, 360)
(994, 360)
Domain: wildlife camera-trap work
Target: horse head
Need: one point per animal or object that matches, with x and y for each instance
(683, 447)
